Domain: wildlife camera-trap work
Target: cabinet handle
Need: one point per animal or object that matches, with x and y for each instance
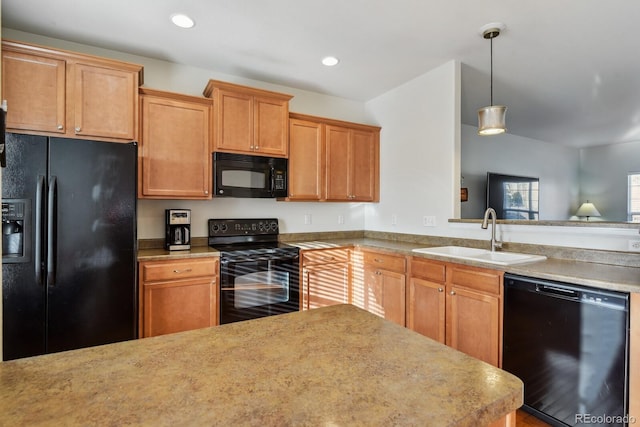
(257, 148)
(78, 129)
(378, 260)
(440, 290)
(188, 270)
(328, 258)
(378, 272)
(453, 292)
(206, 192)
(60, 127)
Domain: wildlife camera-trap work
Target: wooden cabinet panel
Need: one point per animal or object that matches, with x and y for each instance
(179, 306)
(364, 164)
(468, 300)
(70, 94)
(384, 294)
(174, 153)
(325, 278)
(98, 87)
(271, 126)
(380, 288)
(306, 163)
(426, 312)
(337, 158)
(177, 295)
(473, 324)
(34, 87)
(325, 285)
(249, 120)
(179, 269)
(234, 122)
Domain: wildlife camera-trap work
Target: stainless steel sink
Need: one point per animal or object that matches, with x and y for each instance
(482, 255)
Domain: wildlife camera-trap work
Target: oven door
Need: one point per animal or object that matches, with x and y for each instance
(258, 288)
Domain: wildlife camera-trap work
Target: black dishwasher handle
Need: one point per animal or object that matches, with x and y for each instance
(557, 291)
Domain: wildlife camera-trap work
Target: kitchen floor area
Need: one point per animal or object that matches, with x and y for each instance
(524, 419)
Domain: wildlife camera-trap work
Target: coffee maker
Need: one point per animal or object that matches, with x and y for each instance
(178, 229)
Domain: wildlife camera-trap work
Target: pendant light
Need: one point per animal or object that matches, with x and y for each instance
(491, 119)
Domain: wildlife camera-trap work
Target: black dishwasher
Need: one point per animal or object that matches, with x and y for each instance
(569, 345)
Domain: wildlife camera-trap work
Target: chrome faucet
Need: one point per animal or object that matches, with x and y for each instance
(490, 212)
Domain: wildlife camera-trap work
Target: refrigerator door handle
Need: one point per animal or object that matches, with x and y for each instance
(51, 231)
(38, 230)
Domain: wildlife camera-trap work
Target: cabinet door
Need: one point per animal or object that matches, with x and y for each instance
(234, 122)
(305, 160)
(473, 323)
(174, 149)
(179, 306)
(363, 166)
(384, 294)
(34, 88)
(325, 285)
(338, 163)
(105, 102)
(271, 126)
(426, 309)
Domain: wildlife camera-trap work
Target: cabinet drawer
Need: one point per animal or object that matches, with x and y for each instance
(477, 278)
(325, 256)
(384, 261)
(182, 269)
(429, 270)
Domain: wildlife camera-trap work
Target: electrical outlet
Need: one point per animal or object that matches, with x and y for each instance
(340, 219)
(394, 219)
(307, 219)
(634, 245)
(429, 221)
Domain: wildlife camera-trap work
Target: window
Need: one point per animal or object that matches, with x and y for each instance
(633, 204)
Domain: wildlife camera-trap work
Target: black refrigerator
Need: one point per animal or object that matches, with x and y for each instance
(69, 244)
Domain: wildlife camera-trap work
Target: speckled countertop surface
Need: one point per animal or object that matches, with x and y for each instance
(333, 366)
(600, 275)
(604, 276)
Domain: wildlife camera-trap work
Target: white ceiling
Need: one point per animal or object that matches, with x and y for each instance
(568, 71)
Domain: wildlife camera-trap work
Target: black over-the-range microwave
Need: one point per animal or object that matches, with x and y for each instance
(249, 176)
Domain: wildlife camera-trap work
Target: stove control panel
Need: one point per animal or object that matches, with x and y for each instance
(243, 227)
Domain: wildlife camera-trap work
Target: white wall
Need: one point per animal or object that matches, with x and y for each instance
(419, 162)
(557, 167)
(604, 174)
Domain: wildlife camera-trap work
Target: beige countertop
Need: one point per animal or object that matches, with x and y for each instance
(338, 365)
(600, 275)
(604, 276)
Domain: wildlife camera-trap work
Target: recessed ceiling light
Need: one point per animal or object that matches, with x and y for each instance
(182, 20)
(330, 61)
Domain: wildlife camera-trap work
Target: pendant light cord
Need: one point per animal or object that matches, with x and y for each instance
(491, 85)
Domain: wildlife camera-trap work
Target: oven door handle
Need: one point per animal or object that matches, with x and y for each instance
(226, 261)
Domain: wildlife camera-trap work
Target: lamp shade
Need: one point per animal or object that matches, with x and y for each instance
(587, 209)
(491, 120)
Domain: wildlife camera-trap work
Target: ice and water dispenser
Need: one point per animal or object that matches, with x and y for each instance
(15, 230)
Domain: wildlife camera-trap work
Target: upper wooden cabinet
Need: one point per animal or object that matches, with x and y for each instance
(249, 120)
(306, 160)
(333, 160)
(56, 92)
(175, 152)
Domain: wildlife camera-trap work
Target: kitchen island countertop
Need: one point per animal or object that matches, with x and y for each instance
(337, 365)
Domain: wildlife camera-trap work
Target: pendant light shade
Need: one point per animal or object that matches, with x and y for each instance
(492, 119)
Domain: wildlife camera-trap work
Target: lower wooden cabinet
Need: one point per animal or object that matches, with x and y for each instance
(177, 295)
(381, 288)
(325, 278)
(457, 305)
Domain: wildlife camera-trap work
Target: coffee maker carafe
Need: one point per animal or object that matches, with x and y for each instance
(178, 229)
